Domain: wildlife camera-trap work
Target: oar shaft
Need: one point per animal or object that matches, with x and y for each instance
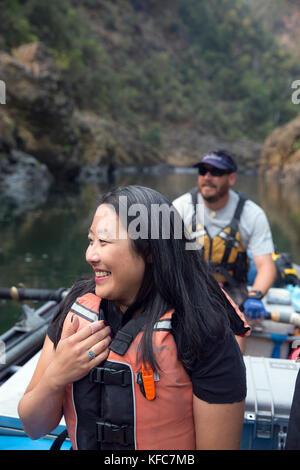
(285, 317)
(20, 293)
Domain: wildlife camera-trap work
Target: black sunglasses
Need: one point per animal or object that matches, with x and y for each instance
(213, 171)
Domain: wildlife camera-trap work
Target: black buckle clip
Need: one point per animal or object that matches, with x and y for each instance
(111, 433)
(106, 376)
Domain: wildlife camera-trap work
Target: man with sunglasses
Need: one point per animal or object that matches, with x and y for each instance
(225, 224)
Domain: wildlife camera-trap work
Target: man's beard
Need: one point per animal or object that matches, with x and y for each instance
(221, 192)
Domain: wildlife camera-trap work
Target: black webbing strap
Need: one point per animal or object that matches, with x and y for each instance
(234, 224)
(113, 434)
(194, 195)
(239, 208)
(59, 440)
(126, 335)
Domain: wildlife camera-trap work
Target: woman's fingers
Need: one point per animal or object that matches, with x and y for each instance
(96, 346)
(88, 330)
(99, 351)
(97, 337)
(87, 337)
(73, 360)
(71, 328)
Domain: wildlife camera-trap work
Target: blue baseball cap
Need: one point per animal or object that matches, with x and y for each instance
(219, 160)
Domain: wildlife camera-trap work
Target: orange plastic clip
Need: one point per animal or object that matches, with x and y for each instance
(148, 381)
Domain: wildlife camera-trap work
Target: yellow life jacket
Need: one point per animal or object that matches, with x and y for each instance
(286, 273)
(224, 253)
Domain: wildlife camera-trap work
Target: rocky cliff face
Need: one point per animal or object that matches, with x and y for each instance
(40, 118)
(38, 108)
(280, 155)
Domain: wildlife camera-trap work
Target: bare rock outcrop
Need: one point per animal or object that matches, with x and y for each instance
(280, 155)
(41, 119)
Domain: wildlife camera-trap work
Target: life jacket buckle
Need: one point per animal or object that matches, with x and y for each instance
(106, 376)
(112, 433)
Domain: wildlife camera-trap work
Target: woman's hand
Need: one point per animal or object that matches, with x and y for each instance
(72, 361)
(40, 408)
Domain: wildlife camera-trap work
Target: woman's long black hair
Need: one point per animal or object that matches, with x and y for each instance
(175, 276)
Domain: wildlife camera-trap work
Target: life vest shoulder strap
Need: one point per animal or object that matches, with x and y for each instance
(236, 216)
(127, 334)
(234, 225)
(238, 211)
(194, 195)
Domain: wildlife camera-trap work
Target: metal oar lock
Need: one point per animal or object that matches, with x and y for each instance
(29, 319)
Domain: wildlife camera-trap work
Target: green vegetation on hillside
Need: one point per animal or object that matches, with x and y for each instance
(212, 64)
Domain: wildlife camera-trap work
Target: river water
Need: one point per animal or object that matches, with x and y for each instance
(45, 247)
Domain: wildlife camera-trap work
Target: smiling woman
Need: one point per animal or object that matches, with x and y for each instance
(118, 269)
(150, 328)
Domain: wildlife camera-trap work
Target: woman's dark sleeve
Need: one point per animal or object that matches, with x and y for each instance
(51, 331)
(220, 377)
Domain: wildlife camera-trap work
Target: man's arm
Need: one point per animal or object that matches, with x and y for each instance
(256, 229)
(266, 273)
(254, 308)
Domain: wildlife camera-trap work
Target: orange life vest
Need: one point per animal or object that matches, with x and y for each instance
(121, 404)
